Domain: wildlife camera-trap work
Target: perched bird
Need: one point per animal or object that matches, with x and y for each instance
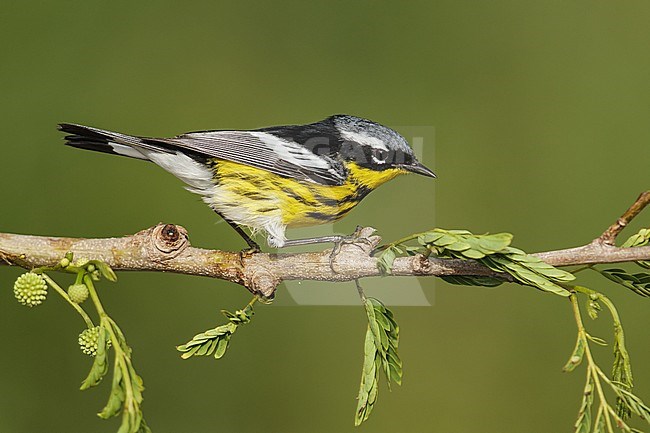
(272, 178)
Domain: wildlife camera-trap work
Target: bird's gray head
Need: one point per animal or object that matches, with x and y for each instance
(375, 146)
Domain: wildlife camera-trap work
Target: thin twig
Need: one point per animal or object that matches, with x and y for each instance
(609, 236)
(64, 295)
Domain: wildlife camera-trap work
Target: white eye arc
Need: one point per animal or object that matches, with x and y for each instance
(379, 156)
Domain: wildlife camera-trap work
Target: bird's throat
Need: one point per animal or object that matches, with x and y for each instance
(369, 178)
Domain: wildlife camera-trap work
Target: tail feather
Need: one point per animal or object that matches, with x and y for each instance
(85, 137)
(184, 164)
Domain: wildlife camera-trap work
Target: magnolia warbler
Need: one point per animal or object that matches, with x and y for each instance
(272, 178)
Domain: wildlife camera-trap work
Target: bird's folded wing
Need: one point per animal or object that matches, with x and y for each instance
(265, 151)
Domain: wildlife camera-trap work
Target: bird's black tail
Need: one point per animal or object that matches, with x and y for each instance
(187, 165)
(86, 137)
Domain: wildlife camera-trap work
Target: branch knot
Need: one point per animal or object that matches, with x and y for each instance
(169, 239)
(263, 282)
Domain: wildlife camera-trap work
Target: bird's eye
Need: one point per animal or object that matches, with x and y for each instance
(379, 156)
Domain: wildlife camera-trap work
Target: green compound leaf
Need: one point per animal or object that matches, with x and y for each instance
(380, 354)
(215, 341)
(633, 402)
(639, 283)
(491, 250)
(126, 388)
(495, 252)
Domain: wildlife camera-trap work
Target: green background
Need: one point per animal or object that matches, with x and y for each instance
(540, 112)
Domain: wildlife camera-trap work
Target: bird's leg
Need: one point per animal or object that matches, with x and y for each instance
(337, 240)
(318, 240)
(253, 247)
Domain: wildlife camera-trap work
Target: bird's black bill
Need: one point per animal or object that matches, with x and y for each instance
(419, 169)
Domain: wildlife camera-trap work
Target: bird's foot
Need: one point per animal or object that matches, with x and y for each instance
(253, 248)
(357, 238)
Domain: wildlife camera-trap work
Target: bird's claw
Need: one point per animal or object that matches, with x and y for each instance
(355, 238)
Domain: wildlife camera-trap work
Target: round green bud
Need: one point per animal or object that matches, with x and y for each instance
(30, 289)
(88, 341)
(78, 293)
(64, 263)
(91, 268)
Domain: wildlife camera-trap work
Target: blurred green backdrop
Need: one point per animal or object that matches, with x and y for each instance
(541, 116)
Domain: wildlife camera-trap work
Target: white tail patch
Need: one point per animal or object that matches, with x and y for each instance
(124, 150)
(197, 176)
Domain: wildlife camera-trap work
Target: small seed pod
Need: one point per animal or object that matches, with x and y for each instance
(30, 289)
(88, 341)
(78, 293)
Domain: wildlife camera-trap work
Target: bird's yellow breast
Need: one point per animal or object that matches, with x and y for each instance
(248, 195)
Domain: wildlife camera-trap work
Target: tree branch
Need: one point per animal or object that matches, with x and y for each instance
(166, 248)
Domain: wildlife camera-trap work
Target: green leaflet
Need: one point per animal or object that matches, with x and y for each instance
(369, 380)
(215, 341)
(472, 280)
(583, 423)
(576, 357)
(386, 259)
(380, 354)
(639, 283)
(116, 398)
(639, 239)
(622, 370)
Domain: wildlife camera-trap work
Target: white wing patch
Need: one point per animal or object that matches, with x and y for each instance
(292, 152)
(266, 151)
